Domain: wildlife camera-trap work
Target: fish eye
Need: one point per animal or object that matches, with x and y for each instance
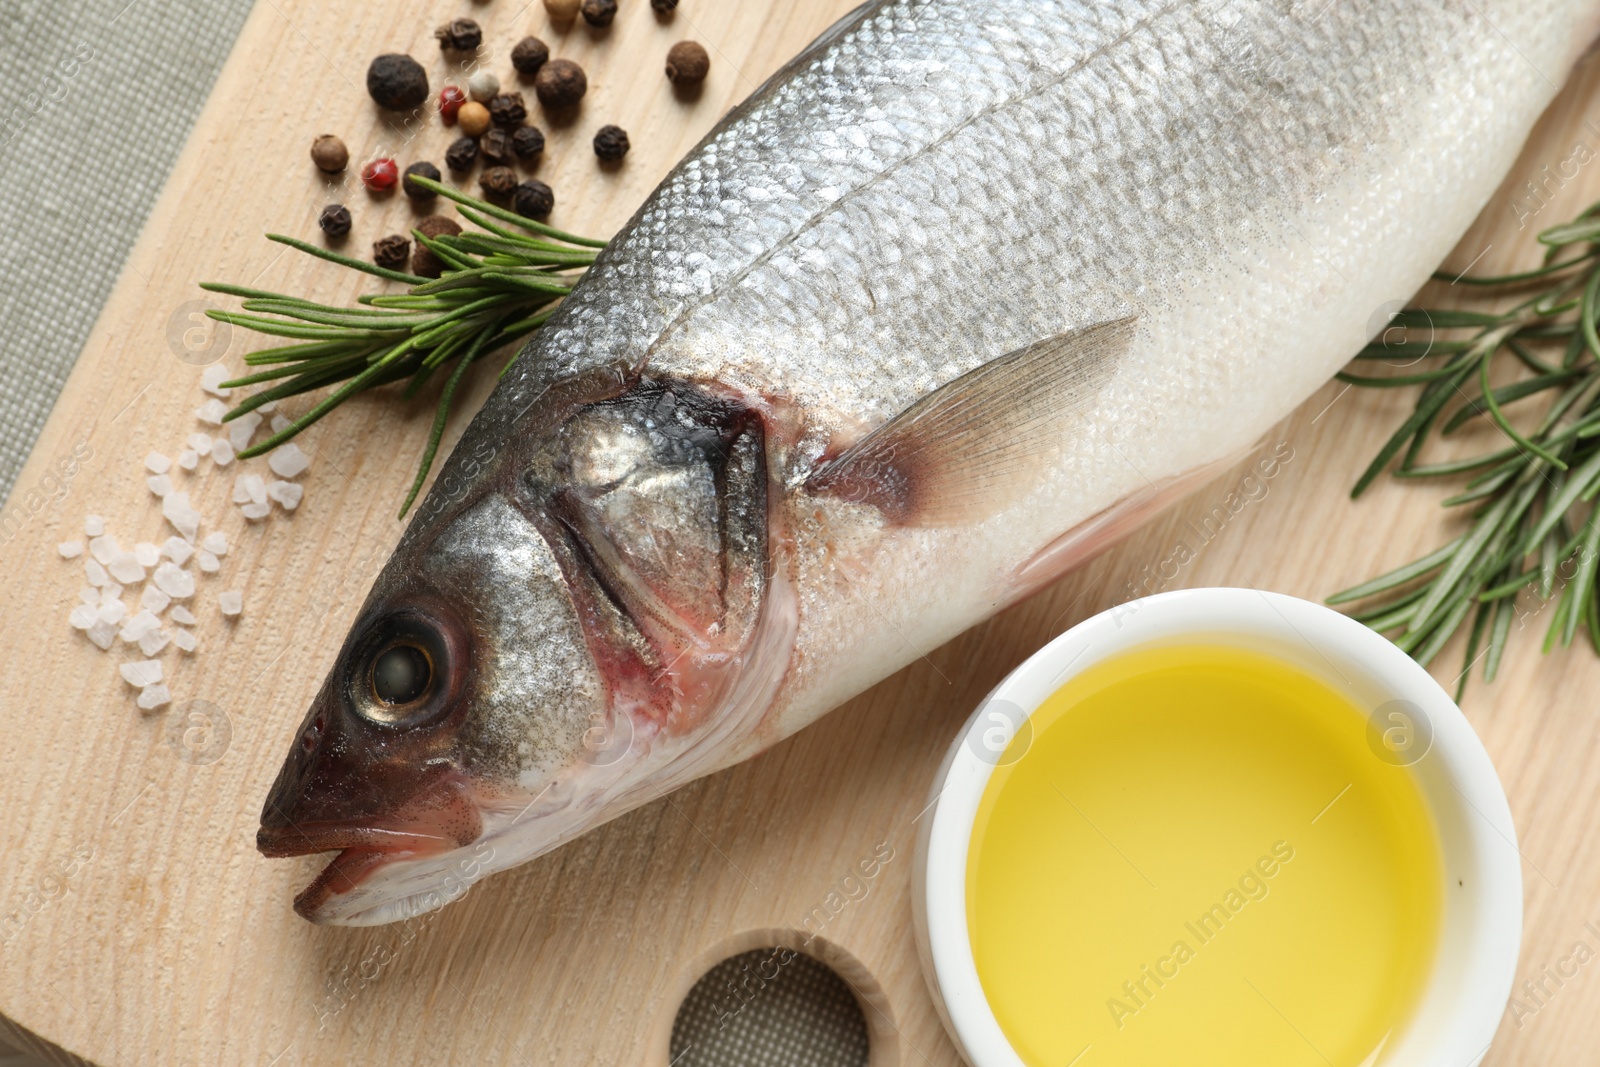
(401, 673)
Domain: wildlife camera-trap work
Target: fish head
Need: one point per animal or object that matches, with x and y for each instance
(574, 636)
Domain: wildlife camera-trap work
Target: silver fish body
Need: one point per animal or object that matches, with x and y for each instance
(958, 296)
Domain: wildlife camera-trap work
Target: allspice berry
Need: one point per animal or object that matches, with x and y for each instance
(473, 118)
(423, 261)
(412, 189)
(534, 199)
(664, 7)
(527, 143)
(391, 252)
(560, 83)
(529, 55)
(687, 63)
(397, 81)
(459, 35)
(329, 154)
(611, 143)
(599, 12)
(498, 182)
(496, 146)
(334, 220)
(508, 110)
(562, 11)
(462, 153)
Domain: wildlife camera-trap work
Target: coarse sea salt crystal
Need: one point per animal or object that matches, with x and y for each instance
(177, 550)
(174, 581)
(81, 617)
(183, 615)
(200, 442)
(268, 408)
(154, 641)
(249, 488)
(147, 554)
(70, 549)
(211, 411)
(110, 592)
(287, 460)
(102, 633)
(89, 595)
(159, 484)
(95, 573)
(287, 494)
(154, 696)
(231, 602)
(157, 463)
(93, 525)
(188, 459)
(125, 568)
(184, 519)
(221, 452)
(139, 625)
(212, 377)
(184, 639)
(241, 429)
(104, 548)
(208, 563)
(140, 673)
(279, 423)
(254, 511)
(215, 543)
(111, 613)
(154, 600)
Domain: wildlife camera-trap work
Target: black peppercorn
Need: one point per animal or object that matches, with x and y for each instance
(527, 142)
(599, 12)
(459, 35)
(529, 55)
(423, 261)
(508, 109)
(560, 83)
(611, 143)
(498, 182)
(534, 199)
(391, 252)
(415, 191)
(664, 7)
(397, 81)
(496, 146)
(334, 220)
(462, 153)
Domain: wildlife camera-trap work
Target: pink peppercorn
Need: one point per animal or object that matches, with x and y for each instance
(450, 101)
(380, 175)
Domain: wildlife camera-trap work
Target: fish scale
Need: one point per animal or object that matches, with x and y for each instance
(961, 294)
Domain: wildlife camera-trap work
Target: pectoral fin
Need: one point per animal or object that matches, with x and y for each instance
(970, 447)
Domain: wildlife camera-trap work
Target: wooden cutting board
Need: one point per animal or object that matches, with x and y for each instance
(139, 926)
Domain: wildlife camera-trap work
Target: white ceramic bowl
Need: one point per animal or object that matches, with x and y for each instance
(1477, 957)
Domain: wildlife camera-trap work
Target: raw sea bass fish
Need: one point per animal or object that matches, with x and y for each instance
(951, 302)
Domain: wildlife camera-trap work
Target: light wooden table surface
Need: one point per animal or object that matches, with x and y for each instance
(138, 925)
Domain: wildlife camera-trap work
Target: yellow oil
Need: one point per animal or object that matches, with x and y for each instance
(1197, 859)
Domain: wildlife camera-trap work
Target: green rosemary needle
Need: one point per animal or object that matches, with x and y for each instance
(1527, 507)
(500, 284)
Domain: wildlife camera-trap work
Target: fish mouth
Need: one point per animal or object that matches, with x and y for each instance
(359, 852)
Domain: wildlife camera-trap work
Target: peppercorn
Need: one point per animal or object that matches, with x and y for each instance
(599, 12)
(462, 154)
(380, 175)
(527, 143)
(560, 83)
(423, 261)
(450, 100)
(534, 199)
(474, 118)
(498, 182)
(562, 11)
(611, 143)
(482, 86)
(397, 81)
(329, 153)
(664, 7)
(412, 189)
(459, 35)
(508, 109)
(687, 63)
(392, 251)
(496, 146)
(334, 220)
(529, 55)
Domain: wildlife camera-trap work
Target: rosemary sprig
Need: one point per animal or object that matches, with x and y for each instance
(1531, 524)
(500, 284)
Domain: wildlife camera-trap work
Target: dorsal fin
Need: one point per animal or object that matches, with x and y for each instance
(969, 447)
